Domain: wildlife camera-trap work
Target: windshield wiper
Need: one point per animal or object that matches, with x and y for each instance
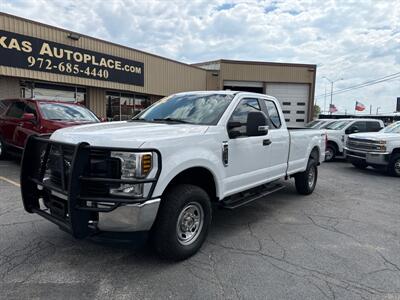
(172, 120)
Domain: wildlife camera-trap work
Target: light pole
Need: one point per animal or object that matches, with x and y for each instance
(377, 110)
(332, 82)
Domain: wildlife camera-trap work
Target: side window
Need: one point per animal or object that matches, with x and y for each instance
(273, 114)
(30, 108)
(3, 106)
(360, 125)
(16, 110)
(242, 110)
(373, 126)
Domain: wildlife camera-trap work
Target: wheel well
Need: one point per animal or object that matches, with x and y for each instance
(315, 154)
(199, 176)
(334, 145)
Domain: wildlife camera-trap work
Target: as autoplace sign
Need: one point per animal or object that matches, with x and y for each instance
(25, 52)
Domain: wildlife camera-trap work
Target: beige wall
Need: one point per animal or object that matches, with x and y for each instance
(161, 76)
(9, 87)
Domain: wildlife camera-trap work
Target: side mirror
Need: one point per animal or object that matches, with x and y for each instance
(27, 117)
(256, 124)
(234, 133)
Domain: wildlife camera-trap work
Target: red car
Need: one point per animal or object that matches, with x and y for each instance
(20, 118)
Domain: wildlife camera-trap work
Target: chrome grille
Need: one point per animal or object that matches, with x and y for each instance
(364, 145)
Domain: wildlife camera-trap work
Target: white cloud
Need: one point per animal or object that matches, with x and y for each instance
(356, 41)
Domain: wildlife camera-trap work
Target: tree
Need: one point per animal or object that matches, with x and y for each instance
(317, 111)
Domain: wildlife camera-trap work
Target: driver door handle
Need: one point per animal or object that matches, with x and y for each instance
(267, 142)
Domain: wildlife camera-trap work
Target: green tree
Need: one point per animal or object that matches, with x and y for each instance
(317, 110)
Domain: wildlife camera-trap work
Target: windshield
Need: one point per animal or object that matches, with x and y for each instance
(66, 112)
(338, 125)
(325, 124)
(205, 109)
(392, 128)
(312, 123)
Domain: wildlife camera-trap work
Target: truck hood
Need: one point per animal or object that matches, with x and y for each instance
(125, 134)
(377, 136)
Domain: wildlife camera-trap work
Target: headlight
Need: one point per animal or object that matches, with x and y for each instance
(133, 165)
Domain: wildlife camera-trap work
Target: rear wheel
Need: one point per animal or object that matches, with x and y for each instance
(307, 180)
(394, 165)
(330, 153)
(359, 164)
(182, 222)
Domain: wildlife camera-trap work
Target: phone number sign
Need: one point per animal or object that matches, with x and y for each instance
(25, 52)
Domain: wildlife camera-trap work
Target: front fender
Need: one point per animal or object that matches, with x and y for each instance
(180, 161)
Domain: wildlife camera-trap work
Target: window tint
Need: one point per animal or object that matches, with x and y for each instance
(16, 110)
(360, 125)
(273, 114)
(3, 106)
(373, 126)
(242, 110)
(30, 108)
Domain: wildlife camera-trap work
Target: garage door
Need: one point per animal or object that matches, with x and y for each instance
(294, 99)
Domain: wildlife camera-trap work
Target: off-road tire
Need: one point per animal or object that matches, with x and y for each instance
(303, 183)
(165, 231)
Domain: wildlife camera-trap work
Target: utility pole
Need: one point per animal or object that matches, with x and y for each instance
(370, 109)
(325, 100)
(377, 110)
(332, 82)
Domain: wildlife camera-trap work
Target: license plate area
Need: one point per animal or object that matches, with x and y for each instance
(58, 207)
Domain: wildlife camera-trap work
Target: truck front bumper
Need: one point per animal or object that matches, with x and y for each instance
(130, 217)
(70, 185)
(371, 158)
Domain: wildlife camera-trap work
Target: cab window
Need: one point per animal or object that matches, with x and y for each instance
(242, 110)
(361, 126)
(274, 120)
(373, 126)
(30, 108)
(16, 110)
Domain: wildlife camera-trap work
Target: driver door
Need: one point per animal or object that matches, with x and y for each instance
(248, 156)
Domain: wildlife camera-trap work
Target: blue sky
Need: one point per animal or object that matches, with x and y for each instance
(355, 41)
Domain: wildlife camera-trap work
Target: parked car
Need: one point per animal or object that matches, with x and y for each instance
(320, 123)
(20, 118)
(338, 132)
(380, 149)
(162, 170)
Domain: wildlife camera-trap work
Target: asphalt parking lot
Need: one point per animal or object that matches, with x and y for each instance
(340, 242)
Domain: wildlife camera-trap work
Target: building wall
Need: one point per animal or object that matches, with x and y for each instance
(9, 87)
(97, 101)
(161, 76)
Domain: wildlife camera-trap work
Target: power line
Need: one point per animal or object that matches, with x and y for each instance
(364, 84)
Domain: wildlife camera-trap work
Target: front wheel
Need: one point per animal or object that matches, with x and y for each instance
(182, 222)
(2, 149)
(307, 180)
(394, 165)
(330, 153)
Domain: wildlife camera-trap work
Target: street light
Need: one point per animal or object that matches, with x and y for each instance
(332, 82)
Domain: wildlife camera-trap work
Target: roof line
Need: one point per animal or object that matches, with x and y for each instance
(100, 40)
(251, 62)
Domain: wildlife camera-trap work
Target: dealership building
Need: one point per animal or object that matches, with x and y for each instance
(116, 82)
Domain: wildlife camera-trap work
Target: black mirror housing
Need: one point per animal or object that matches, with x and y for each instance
(256, 124)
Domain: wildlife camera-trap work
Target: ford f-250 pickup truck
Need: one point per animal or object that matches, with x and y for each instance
(162, 171)
(380, 150)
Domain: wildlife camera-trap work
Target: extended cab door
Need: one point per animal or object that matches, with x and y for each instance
(248, 156)
(279, 141)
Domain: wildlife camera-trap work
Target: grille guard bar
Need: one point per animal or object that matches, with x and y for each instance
(33, 188)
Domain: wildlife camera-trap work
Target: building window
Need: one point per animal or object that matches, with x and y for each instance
(286, 103)
(299, 120)
(287, 120)
(286, 111)
(121, 106)
(301, 103)
(300, 112)
(48, 91)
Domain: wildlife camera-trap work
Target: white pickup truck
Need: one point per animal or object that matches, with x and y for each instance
(162, 171)
(379, 149)
(338, 132)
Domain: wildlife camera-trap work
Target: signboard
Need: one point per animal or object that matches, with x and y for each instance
(398, 105)
(25, 52)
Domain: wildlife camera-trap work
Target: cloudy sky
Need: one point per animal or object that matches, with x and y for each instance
(356, 41)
